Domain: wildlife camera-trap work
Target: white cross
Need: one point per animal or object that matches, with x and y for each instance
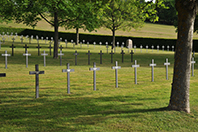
(166, 64)
(135, 66)
(152, 68)
(26, 54)
(6, 55)
(44, 57)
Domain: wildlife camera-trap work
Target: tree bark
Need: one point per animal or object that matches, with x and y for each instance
(55, 35)
(113, 32)
(77, 36)
(179, 99)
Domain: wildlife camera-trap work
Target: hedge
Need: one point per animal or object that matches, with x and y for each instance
(98, 38)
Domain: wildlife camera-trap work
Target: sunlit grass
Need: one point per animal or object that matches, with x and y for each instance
(130, 107)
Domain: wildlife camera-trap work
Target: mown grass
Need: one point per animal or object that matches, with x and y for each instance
(130, 107)
(149, 30)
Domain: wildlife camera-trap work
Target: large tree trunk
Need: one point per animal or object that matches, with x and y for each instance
(179, 99)
(55, 35)
(77, 36)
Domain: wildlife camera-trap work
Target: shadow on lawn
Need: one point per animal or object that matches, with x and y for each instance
(72, 112)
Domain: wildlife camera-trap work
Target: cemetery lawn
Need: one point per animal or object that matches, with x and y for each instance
(130, 107)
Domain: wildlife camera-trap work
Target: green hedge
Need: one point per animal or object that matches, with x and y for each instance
(98, 38)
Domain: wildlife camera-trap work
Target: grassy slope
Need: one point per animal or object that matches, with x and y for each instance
(149, 30)
(130, 107)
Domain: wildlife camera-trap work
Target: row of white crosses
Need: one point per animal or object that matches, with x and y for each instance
(152, 47)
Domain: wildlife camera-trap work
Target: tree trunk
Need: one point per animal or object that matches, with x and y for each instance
(55, 35)
(77, 36)
(113, 32)
(179, 99)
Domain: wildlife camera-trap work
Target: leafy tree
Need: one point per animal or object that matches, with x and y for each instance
(87, 15)
(179, 99)
(128, 14)
(57, 13)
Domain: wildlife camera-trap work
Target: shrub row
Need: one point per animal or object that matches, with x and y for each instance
(98, 38)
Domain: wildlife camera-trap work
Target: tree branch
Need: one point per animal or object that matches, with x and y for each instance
(46, 19)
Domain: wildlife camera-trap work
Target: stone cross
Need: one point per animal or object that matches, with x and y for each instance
(107, 47)
(172, 48)
(122, 56)
(168, 48)
(13, 40)
(152, 70)
(100, 44)
(6, 59)
(94, 44)
(50, 48)
(134, 48)
(132, 55)
(152, 47)
(146, 48)
(73, 44)
(80, 44)
(116, 67)
(94, 69)
(12, 49)
(163, 47)
(192, 63)
(60, 54)
(25, 47)
(38, 49)
(141, 48)
(76, 54)
(166, 64)
(21, 40)
(117, 44)
(100, 56)
(157, 48)
(2, 75)
(37, 72)
(44, 57)
(87, 44)
(61, 47)
(135, 67)
(88, 57)
(26, 54)
(111, 56)
(66, 42)
(68, 70)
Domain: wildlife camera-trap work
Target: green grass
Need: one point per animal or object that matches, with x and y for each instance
(130, 107)
(149, 30)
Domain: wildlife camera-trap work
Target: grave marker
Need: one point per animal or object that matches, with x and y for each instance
(134, 48)
(116, 67)
(157, 48)
(44, 57)
(94, 44)
(117, 44)
(6, 58)
(68, 70)
(129, 43)
(172, 48)
(166, 64)
(162, 47)
(152, 70)
(88, 57)
(135, 67)
(60, 54)
(192, 63)
(168, 48)
(12, 49)
(141, 48)
(100, 56)
(21, 40)
(76, 54)
(152, 47)
(66, 42)
(111, 56)
(13, 40)
(61, 47)
(38, 49)
(122, 56)
(107, 47)
(26, 54)
(50, 48)
(37, 72)
(94, 69)
(25, 47)
(132, 55)
(80, 44)
(100, 44)
(87, 44)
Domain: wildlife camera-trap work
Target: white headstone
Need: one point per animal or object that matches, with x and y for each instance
(129, 43)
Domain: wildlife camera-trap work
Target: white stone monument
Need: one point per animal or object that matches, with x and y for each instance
(129, 43)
